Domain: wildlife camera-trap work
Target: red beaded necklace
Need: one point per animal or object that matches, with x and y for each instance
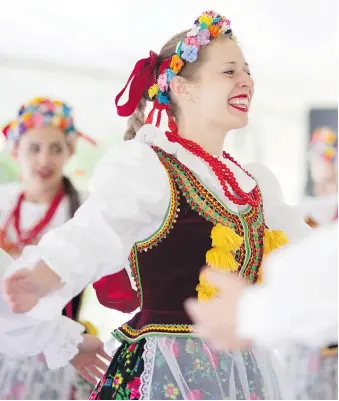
(224, 174)
(27, 237)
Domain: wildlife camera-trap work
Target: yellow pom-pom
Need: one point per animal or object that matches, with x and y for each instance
(225, 237)
(221, 258)
(153, 91)
(205, 290)
(274, 239)
(89, 327)
(225, 242)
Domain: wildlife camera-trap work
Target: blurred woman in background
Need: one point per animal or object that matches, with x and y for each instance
(43, 137)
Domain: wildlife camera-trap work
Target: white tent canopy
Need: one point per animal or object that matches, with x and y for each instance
(83, 52)
(105, 34)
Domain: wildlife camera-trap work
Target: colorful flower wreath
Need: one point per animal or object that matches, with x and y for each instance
(208, 26)
(41, 112)
(38, 113)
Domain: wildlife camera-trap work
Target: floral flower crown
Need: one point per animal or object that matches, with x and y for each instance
(324, 144)
(208, 26)
(41, 112)
(142, 79)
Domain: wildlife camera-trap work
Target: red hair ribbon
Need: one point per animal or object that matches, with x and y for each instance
(86, 138)
(141, 78)
(160, 107)
(5, 130)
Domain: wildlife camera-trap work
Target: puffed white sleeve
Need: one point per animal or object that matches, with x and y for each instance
(22, 336)
(298, 303)
(128, 202)
(278, 214)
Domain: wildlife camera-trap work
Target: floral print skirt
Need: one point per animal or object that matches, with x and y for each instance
(312, 375)
(176, 368)
(31, 379)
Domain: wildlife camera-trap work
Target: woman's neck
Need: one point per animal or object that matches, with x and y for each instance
(211, 140)
(43, 196)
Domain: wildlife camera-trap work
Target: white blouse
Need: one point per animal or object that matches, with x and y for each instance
(130, 197)
(17, 331)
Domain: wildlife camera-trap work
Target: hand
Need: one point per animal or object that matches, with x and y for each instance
(217, 319)
(24, 288)
(87, 361)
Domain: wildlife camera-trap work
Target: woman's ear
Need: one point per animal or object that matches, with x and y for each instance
(179, 86)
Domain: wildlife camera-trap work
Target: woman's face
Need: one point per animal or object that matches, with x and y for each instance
(224, 87)
(325, 177)
(42, 154)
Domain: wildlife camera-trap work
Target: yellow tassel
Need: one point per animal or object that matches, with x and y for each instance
(225, 237)
(259, 276)
(222, 259)
(274, 239)
(205, 290)
(225, 242)
(89, 327)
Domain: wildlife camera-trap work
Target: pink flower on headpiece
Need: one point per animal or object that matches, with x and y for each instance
(194, 31)
(38, 120)
(224, 25)
(47, 106)
(192, 41)
(162, 82)
(204, 37)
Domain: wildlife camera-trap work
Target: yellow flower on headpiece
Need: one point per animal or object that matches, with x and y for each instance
(56, 121)
(14, 124)
(153, 91)
(205, 19)
(37, 100)
(58, 102)
(176, 64)
(27, 116)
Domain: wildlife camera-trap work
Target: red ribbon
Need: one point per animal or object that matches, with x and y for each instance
(5, 130)
(160, 108)
(87, 138)
(141, 78)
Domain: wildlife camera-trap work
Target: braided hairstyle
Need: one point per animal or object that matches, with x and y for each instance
(74, 204)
